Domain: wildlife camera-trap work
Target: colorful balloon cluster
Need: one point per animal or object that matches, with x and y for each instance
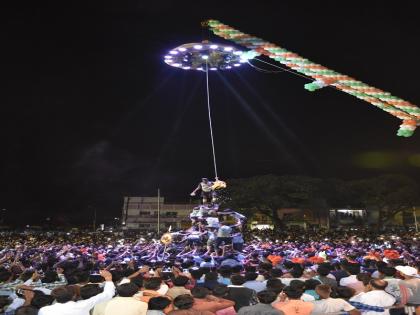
(407, 112)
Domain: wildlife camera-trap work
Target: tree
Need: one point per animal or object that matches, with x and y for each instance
(269, 193)
(388, 194)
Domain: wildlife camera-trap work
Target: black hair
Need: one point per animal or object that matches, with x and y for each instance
(50, 277)
(63, 294)
(27, 310)
(293, 292)
(275, 285)
(200, 292)
(196, 273)
(127, 289)
(237, 280)
(364, 277)
(220, 290)
(323, 270)
(138, 281)
(184, 301)
(345, 292)
(378, 284)
(158, 303)
(211, 276)
(225, 272)
(266, 296)
(40, 299)
(5, 275)
(180, 281)
(152, 283)
(352, 268)
(297, 284)
(388, 271)
(251, 276)
(89, 290)
(296, 272)
(276, 273)
(311, 284)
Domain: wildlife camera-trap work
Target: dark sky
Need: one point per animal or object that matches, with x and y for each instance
(90, 113)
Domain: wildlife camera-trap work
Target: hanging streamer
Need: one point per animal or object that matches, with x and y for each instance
(407, 112)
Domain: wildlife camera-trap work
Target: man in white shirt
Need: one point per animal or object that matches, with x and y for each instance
(66, 306)
(330, 305)
(376, 296)
(123, 304)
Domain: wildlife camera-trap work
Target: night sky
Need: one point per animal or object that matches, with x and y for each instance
(90, 113)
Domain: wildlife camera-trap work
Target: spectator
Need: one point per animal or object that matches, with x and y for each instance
(412, 282)
(376, 296)
(124, 303)
(265, 298)
(66, 306)
(242, 296)
(159, 305)
(179, 287)
(329, 305)
(204, 301)
(184, 304)
(251, 283)
(291, 303)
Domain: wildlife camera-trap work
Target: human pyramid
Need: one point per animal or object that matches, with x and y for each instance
(212, 229)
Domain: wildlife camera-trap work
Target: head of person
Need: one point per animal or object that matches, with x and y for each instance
(82, 276)
(196, 273)
(184, 302)
(323, 290)
(40, 299)
(275, 285)
(293, 293)
(64, 294)
(377, 284)
(220, 290)
(345, 292)
(276, 273)
(225, 271)
(251, 276)
(5, 276)
(27, 310)
(364, 277)
(352, 268)
(323, 270)
(297, 284)
(237, 280)
(296, 272)
(311, 284)
(89, 290)
(153, 283)
(180, 281)
(211, 276)
(200, 292)
(388, 271)
(160, 303)
(50, 277)
(266, 296)
(127, 289)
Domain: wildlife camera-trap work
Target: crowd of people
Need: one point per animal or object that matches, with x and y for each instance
(288, 272)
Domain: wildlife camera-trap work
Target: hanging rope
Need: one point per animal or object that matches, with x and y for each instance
(210, 123)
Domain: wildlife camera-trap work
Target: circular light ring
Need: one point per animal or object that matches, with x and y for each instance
(202, 56)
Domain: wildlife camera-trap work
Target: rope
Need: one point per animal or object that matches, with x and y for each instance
(287, 70)
(210, 123)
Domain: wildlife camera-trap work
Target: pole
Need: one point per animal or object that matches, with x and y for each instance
(158, 213)
(415, 219)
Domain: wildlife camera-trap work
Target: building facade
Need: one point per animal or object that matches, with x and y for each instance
(141, 213)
